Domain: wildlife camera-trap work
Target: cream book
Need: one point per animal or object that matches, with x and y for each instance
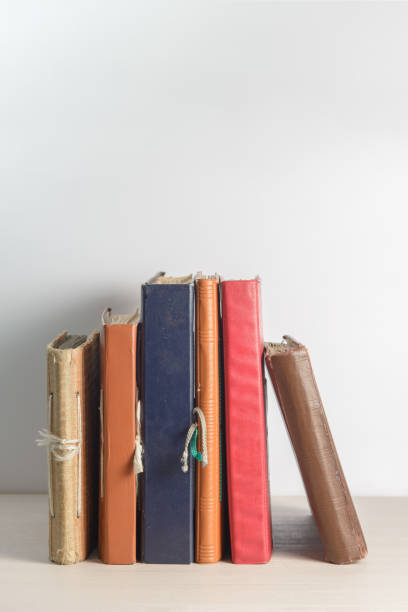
(72, 445)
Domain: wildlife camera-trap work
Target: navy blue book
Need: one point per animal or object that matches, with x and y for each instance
(167, 534)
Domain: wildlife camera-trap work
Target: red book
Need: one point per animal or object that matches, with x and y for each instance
(245, 423)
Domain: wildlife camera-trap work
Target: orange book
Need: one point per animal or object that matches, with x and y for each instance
(118, 413)
(208, 483)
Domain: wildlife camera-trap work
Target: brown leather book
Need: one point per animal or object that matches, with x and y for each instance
(71, 440)
(118, 413)
(292, 376)
(208, 547)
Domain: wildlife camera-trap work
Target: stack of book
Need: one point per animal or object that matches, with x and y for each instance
(157, 437)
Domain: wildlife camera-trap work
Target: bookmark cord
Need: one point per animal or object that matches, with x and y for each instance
(184, 456)
(62, 450)
(191, 437)
(203, 434)
(138, 454)
(137, 457)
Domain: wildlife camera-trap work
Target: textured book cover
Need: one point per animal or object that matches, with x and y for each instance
(245, 423)
(72, 441)
(167, 411)
(292, 376)
(118, 414)
(208, 513)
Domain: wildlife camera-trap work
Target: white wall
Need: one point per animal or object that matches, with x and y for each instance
(247, 138)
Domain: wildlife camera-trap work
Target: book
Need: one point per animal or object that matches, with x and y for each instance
(167, 410)
(72, 443)
(292, 376)
(245, 423)
(119, 429)
(208, 514)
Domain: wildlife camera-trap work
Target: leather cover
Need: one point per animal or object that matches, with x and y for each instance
(117, 489)
(245, 423)
(73, 391)
(167, 405)
(329, 497)
(208, 548)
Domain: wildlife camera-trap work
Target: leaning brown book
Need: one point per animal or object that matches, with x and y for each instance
(292, 376)
(71, 441)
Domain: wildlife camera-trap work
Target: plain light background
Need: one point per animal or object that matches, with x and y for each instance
(239, 137)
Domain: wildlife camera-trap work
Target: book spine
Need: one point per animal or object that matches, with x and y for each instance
(72, 382)
(245, 422)
(208, 478)
(167, 405)
(329, 497)
(117, 501)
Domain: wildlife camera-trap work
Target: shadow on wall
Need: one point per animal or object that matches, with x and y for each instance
(23, 372)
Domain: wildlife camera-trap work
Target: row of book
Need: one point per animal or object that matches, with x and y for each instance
(157, 437)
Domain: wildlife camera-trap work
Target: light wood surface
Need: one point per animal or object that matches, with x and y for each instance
(295, 579)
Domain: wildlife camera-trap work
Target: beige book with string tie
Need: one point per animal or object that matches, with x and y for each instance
(72, 445)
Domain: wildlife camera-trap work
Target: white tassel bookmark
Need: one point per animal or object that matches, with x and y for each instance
(137, 457)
